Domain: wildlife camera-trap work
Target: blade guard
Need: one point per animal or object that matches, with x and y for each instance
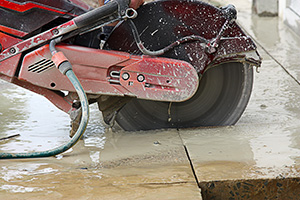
(162, 22)
(113, 73)
(170, 80)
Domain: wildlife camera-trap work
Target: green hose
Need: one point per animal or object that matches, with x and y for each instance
(84, 120)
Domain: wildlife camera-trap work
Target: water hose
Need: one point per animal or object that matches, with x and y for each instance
(66, 69)
(159, 52)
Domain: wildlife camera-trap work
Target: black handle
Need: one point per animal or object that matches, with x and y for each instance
(104, 11)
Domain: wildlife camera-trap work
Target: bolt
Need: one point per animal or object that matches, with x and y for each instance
(140, 78)
(12, 50)
(55, 31)
(125, 76)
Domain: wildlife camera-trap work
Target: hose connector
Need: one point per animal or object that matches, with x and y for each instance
(58, 57)
(61, 62)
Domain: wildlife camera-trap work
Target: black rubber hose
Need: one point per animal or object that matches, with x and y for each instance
(102, 12)
(159, 52)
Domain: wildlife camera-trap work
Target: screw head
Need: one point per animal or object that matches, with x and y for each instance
(125, 76)
(12, 50)
(140, 78)
(55, 31)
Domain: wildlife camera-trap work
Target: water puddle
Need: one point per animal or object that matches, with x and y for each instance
(40, 124)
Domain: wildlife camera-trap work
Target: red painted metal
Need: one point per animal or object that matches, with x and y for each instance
(7, 41)
(165, 79)
(26, 6)
(118, 73)
(181, 18)
(9, 66)
(61, 102)
(37, 40)
(64, 103)
(24, 17)
(61, 7)
(205, 20)
(12, 31)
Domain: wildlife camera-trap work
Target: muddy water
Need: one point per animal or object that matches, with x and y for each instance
(41, 126)
(39, 123)
(104, 165)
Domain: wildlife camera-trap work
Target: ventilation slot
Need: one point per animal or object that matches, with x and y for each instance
(41, 66)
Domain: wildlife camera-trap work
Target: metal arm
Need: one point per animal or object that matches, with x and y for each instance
(110, 12)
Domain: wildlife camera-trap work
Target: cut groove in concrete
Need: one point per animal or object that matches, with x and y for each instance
(191, 164)
(190, 161)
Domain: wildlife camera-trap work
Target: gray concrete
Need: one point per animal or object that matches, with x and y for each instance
(145, 165)
(265, 143)
(113, 164)
(291, 15)
(265, 7)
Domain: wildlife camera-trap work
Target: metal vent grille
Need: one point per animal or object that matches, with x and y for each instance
(41, 66)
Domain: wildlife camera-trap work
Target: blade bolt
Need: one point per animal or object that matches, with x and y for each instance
(140, 78)
(125, 76)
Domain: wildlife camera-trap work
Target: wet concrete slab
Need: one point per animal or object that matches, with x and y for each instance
(271, 34)
(49, 181)
(80, 175)
(262, 151)
(263, 144)
(106, 164)
(34, 181)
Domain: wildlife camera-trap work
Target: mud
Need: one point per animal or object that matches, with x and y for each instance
(252, 189)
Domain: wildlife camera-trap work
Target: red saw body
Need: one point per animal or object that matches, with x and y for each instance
(113, 73)
(187, 44)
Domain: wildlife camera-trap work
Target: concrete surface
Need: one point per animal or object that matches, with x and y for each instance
(289, 11)
(265, 7)
(263, 148)
(265, 142)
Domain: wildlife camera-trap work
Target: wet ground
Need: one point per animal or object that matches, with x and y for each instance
(258, 157)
